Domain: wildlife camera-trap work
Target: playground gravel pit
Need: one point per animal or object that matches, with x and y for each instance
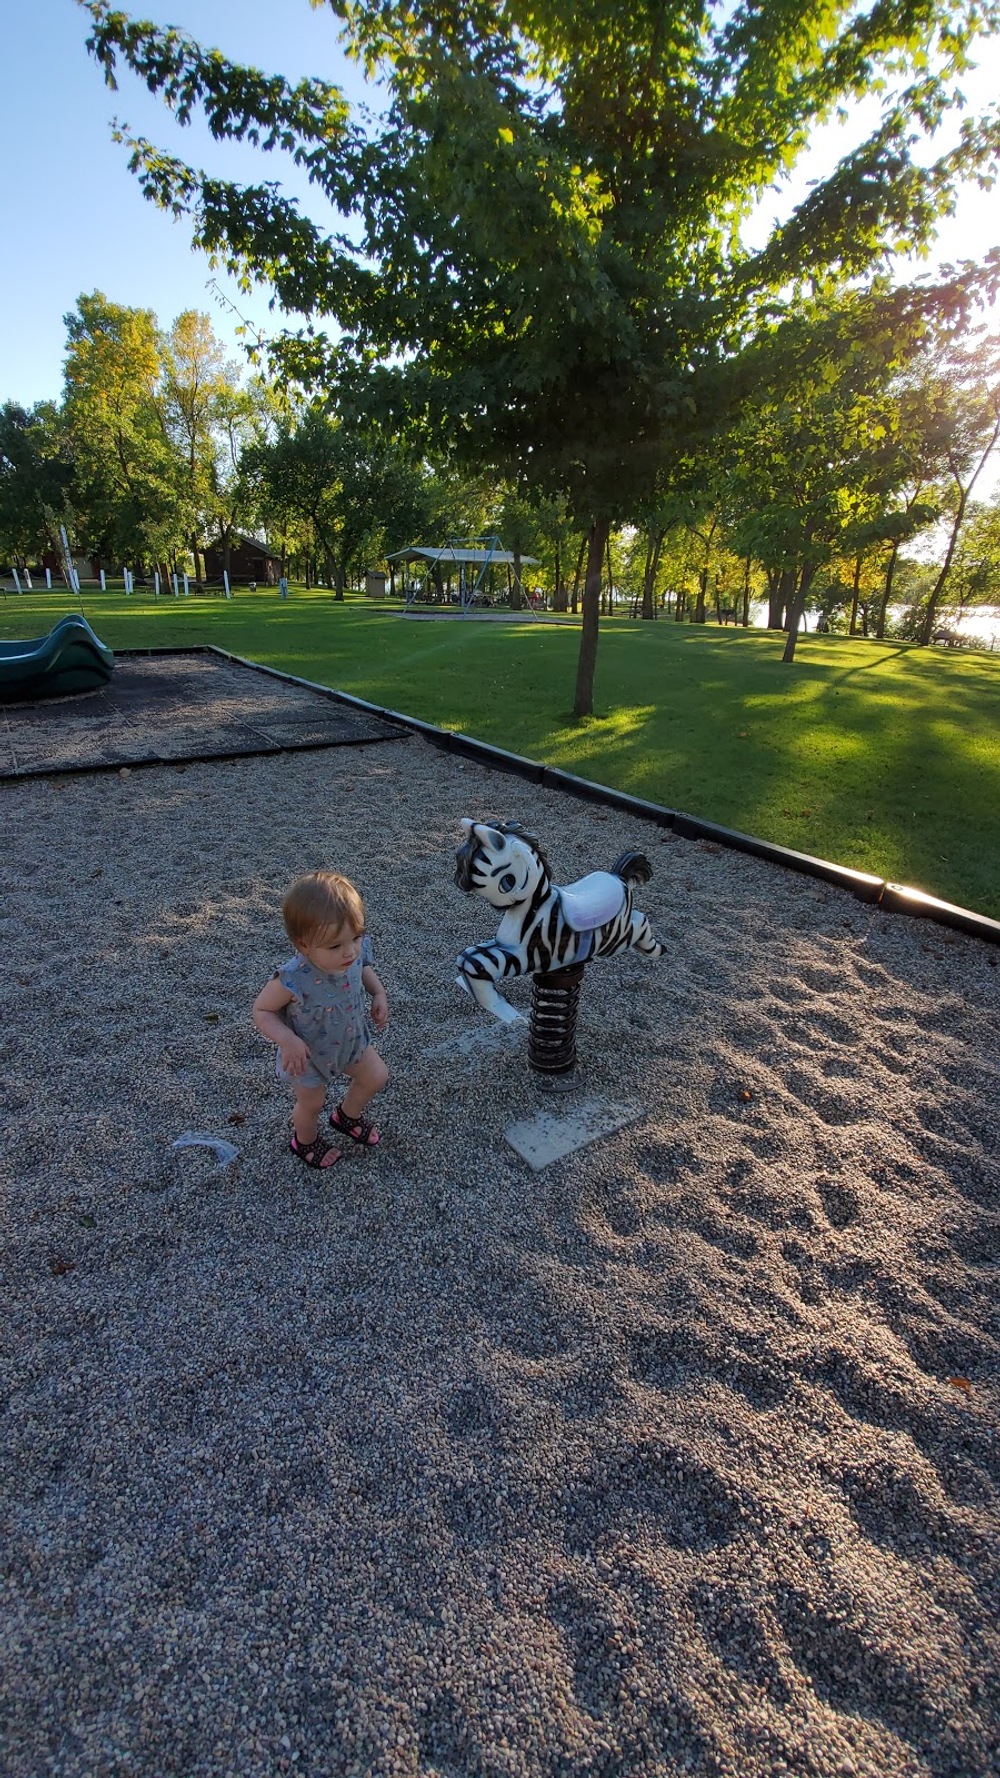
(678, 1456)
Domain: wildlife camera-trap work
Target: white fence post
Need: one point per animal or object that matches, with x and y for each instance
(48, 579)
(104, 584)
(17, 583)
(187, 594)
(225, 580)
(156, 583)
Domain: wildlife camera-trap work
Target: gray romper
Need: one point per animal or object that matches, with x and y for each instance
(329, 1013)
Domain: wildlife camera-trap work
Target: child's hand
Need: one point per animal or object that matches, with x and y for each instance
(294, 1054)
(380, 1009)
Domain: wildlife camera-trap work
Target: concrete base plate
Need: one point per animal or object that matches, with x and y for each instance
(550, 1136)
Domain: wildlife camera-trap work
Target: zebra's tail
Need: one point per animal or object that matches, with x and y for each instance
(632, 867)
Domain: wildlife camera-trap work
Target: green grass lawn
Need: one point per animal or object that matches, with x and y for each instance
(881, 756)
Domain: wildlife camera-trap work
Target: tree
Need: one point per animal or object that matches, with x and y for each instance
(975, 567)
(298, 476)
(205, 414)
(36, 474)
(543, 265)
(519, 526)
(820, 453)
(887, 532)
(128, 480)
(556, 540)
(964, 398)
(346, 483)
(367, 469)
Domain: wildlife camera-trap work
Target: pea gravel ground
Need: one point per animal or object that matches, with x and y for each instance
(679, 1457)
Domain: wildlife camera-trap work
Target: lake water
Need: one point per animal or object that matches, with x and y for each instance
(980, 623)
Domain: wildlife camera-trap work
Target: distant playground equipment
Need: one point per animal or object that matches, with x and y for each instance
(71, 658)
(548, 932)
(475, 562)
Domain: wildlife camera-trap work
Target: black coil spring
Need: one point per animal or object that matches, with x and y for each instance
(552, 1033)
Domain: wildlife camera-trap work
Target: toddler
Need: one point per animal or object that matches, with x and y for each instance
(313, 1008)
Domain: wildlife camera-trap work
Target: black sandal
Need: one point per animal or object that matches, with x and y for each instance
(356, 1129)
(314, 1153)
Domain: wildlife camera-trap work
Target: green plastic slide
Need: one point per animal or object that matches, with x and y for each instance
(70, 658)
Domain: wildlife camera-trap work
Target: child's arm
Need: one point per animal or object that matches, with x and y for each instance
(380, 1003)
(266, 1013)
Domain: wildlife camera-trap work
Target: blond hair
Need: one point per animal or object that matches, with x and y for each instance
(322, 903)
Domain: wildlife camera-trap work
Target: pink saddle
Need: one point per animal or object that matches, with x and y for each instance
(592, 901)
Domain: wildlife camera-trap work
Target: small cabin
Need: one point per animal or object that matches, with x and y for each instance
(249, 559)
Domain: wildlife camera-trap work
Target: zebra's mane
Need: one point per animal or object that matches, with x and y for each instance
(517, 831)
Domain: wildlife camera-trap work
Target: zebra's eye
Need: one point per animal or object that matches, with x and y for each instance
(507, 882)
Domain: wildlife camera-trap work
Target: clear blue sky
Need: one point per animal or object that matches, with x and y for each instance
(72, 217)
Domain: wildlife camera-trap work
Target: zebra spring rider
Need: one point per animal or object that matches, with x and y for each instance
(547, 931)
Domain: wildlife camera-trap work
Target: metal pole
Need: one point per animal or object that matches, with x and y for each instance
(72, 578)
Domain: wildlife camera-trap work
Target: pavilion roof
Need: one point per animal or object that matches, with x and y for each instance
(422, 552)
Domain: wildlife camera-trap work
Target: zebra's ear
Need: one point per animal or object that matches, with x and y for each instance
(467, 824)
(489, 837)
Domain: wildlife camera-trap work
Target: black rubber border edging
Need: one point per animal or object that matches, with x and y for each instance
(896, 898)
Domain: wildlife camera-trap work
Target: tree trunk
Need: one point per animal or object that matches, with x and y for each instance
(746, 595)
(965, 495)
(583, 704)
(927, 626)
(654, 545)
(796, 609)
(786, 595)
(886, 595)
(776, 597)
(853, 628)
(517, 590)
(699, 608)
(579, 571)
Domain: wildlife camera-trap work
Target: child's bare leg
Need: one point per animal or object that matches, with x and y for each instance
(368, 1076)
(305, 1117)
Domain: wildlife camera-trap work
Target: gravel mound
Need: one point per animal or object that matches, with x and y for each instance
(678, 1457)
